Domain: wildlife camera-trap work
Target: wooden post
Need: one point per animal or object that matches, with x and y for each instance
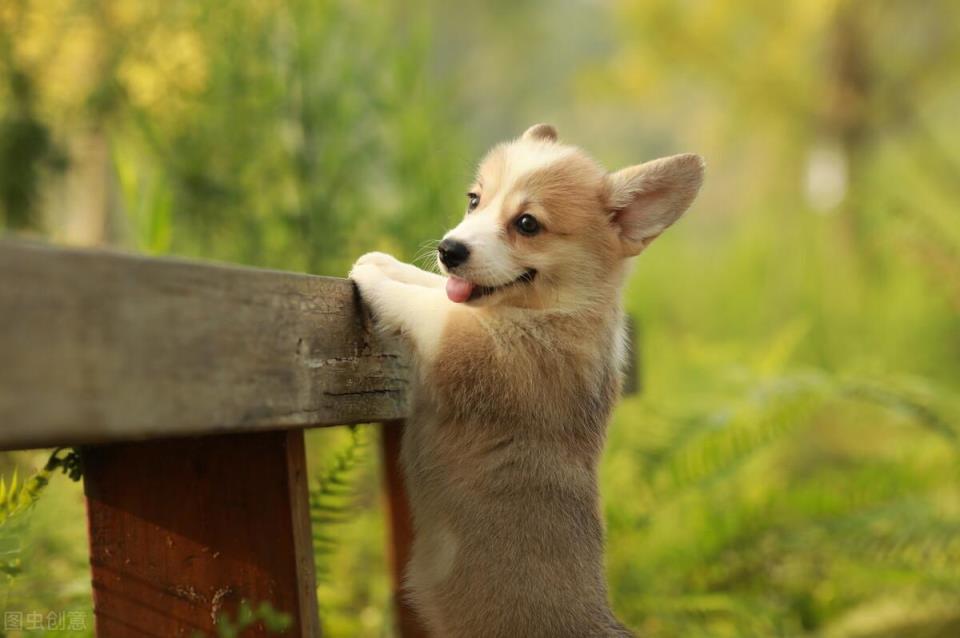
(182, 530)
(400, 528)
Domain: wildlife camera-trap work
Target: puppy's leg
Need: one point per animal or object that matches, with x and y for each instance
(418, 312)
(399, 271)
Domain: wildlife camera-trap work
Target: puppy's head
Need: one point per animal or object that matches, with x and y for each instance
(547, 227)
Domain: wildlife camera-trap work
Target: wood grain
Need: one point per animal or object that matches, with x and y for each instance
(183, 530)
(101, 346)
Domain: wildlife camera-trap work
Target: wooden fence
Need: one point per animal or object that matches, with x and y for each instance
(188, 387)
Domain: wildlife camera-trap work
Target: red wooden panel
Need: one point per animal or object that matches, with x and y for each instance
(400, 528)
(184, 529)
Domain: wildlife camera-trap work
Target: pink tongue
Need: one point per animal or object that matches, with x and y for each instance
(458, 289)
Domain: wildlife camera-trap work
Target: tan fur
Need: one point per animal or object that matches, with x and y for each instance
(512, 392)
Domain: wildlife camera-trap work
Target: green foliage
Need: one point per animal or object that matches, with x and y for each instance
(349, 536)
(745, 519)
(17, 497)
(341, 133)
(333, 499)
(27, 152)
(275, 622)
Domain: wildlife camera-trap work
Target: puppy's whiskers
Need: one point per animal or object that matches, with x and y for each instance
(425, 257)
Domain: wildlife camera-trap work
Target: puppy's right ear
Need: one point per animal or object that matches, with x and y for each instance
(541, 133)
(645, 199)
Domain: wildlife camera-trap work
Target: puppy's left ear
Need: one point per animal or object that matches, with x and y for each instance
(643, 200)
(540, 133)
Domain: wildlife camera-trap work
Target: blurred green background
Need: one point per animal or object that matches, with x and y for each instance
(791, 466)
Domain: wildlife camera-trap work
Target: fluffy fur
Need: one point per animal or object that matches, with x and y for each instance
(512, 391)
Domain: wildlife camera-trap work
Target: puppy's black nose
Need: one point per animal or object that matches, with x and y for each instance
(453, 252)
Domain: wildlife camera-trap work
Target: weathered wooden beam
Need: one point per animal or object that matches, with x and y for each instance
(183, 530)
(101, 346)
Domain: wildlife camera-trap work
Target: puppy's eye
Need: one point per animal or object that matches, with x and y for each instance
(473, 200)
(527, 224)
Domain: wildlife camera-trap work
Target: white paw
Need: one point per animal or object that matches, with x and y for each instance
(366, 276)
(369, 279)
(382, 260)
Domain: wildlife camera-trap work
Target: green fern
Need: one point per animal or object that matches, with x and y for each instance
(274, 622)
(332, 499)
(739, 530)
(18, 496)
(918, 402)
(233, 626)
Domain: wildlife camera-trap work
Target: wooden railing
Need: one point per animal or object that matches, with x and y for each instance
(188, 387)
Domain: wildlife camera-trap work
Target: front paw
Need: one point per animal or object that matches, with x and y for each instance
(382, 260)
(367, 277)
(371, 284)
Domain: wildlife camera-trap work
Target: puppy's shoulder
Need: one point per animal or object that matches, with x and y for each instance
(464, 340)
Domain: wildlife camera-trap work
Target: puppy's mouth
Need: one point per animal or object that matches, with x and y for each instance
(460, 290)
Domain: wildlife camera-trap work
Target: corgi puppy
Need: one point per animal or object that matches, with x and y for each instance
(517, 353)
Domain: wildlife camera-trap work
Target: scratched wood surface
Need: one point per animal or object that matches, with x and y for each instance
(183, 530)
(102, 346)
